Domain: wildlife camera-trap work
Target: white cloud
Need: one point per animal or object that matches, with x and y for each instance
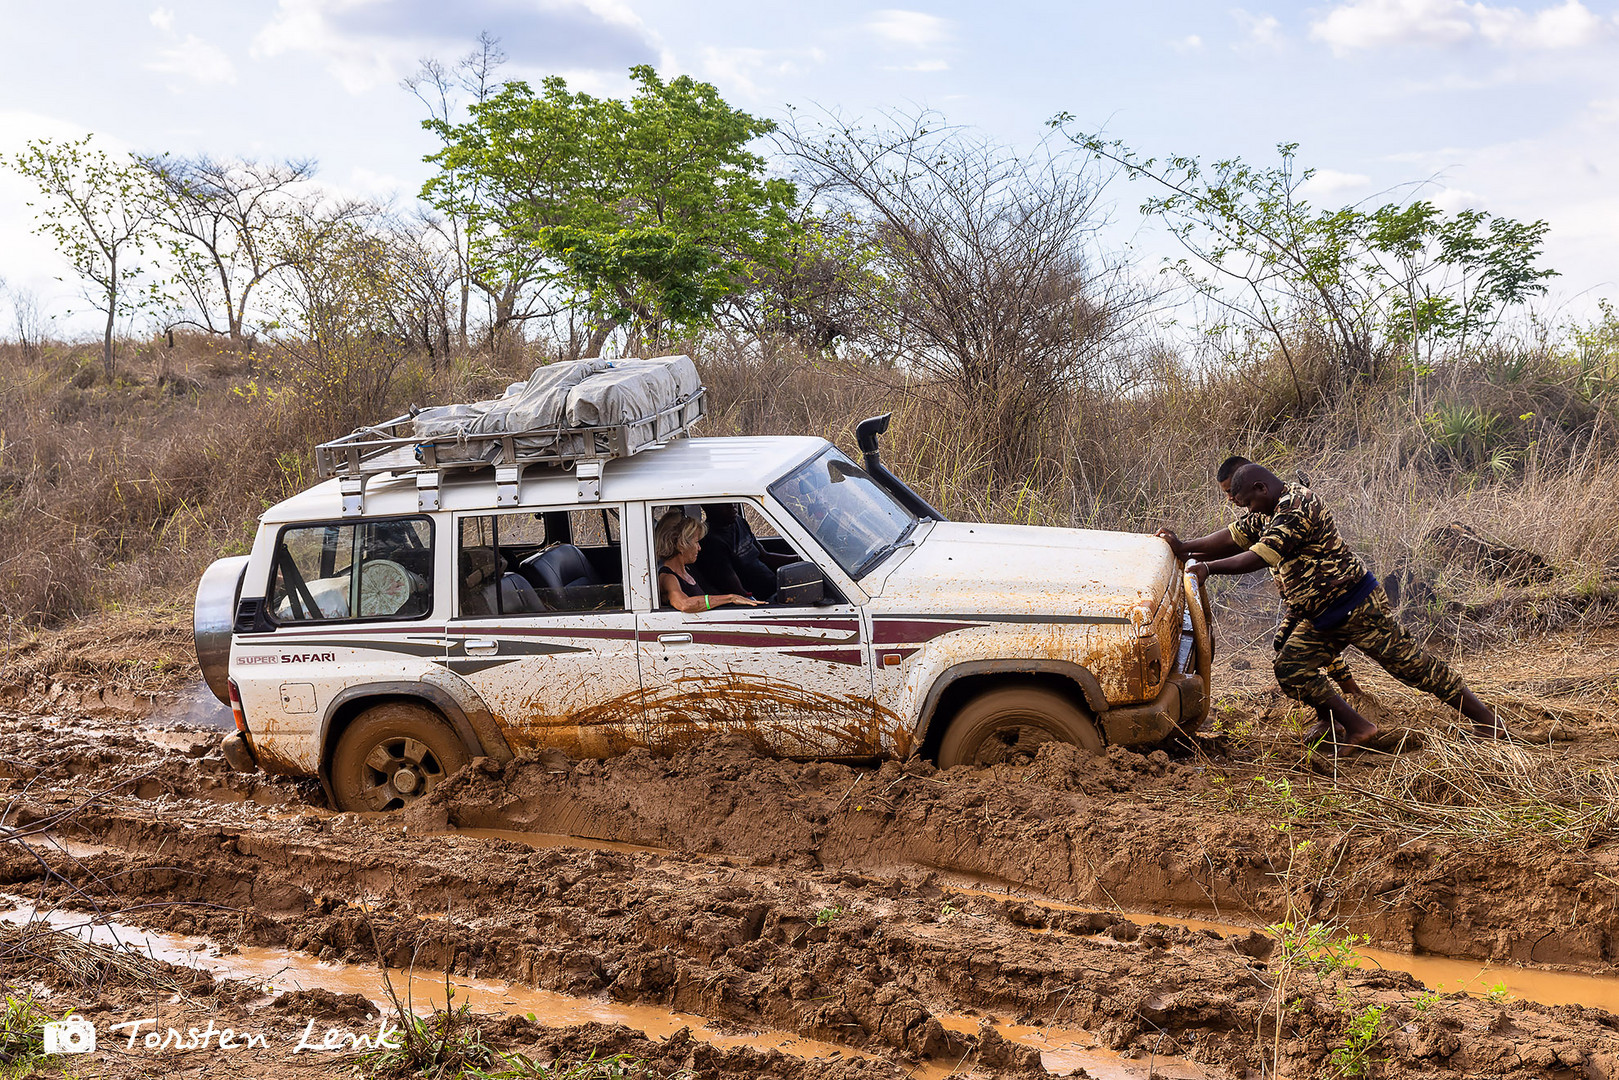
(1568, 26)
(1191, 43)
(368, 183)
(1452, 199)
(745, 69)
(1263, 31)
(910, 29)
(196, 59)
(368, 44)
(1328, 184)
(914, 32)
(1374, 24)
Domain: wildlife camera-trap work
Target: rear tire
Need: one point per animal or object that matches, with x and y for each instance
(392, 755)
(1011, 724)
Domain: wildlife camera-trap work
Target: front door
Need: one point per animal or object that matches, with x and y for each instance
(795, 680)
(542, 630)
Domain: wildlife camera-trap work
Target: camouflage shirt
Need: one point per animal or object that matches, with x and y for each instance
(1314, 568)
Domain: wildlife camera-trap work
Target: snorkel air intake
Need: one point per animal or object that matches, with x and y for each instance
(865, 436)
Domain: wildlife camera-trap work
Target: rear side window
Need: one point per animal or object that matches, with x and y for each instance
(533, 563)
(314, 579)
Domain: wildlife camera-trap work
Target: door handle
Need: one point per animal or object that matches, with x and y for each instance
(481, 646)
(674, 639)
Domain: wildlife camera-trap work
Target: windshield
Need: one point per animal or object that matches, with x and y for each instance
(856, 521)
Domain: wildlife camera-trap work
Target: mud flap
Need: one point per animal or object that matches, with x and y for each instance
(238, 754)
(1192, 693)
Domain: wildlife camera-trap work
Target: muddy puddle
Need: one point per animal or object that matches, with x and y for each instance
(1442, 973)
(1063, 1050)
(196, 705)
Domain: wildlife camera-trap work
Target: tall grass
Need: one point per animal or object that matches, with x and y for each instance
(119, 495)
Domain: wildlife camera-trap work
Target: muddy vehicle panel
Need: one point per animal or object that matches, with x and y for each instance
(389, 629)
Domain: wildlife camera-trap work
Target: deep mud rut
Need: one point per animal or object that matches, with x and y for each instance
(888, 911)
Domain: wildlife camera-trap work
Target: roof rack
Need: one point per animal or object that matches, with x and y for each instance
(390, 448)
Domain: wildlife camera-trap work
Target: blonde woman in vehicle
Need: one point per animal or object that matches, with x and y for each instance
(677, 542)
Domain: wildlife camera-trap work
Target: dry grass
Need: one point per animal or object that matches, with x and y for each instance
(115, 498)
(1460, 791)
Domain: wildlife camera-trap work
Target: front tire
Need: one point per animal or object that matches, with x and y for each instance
(391, 756)
(1010, 725)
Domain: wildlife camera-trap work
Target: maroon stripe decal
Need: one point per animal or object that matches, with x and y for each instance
(499, 630)
(741, 641)
(831, 656)
(291, 630)
(850, 625)
(885, 631)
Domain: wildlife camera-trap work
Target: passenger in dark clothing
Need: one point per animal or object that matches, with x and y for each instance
(731, 551)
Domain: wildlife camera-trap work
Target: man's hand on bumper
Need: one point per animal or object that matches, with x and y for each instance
(1175, 545)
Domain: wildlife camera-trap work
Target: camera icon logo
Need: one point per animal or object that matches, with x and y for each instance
(71, 1035)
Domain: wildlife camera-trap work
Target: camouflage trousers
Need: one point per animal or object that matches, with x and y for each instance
(1372, 629)
(1337, 669)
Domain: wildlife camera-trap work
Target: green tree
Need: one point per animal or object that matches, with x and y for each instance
(1375, 282)
(649, 213)
(100, 210)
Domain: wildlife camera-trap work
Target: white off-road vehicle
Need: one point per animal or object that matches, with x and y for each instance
(473, 583)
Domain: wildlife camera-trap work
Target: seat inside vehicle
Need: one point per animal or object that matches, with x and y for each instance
(517, 596)
(561, 567)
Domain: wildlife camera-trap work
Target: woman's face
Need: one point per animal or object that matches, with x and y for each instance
(688, 549)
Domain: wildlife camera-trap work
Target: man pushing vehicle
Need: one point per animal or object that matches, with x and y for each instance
(1332, 600)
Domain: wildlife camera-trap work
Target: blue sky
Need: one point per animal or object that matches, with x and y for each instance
(1511, 109)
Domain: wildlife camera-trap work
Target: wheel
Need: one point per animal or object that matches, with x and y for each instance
(392, 755)
(1011, 724)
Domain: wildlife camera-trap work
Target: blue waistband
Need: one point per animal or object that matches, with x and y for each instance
(1338, 612)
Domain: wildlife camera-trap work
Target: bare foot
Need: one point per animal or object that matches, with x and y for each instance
(1321, 729)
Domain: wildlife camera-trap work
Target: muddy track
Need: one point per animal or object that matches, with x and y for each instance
(819, 899)
(1106, 832)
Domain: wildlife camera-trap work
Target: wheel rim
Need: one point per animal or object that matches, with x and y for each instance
(1013, 740)
(398, 771)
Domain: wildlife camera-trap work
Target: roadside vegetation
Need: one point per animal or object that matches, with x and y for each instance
(818, 272)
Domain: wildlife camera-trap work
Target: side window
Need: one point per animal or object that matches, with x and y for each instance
(740, 552)
(537, 563)
(314, 579)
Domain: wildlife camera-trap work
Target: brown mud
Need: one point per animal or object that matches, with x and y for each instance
(886, 911)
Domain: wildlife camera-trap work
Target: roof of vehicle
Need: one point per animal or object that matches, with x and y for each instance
(684, 470)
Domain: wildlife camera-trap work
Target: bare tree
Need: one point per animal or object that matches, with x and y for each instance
(983, 276)
(230, 222)
(29, 322)
(426, 275)
(444, 92)
(337, 297)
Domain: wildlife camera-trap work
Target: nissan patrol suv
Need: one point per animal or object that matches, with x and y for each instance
(440, 598)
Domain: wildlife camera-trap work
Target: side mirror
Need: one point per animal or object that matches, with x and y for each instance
(800, 584)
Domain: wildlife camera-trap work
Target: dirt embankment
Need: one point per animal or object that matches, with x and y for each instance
(824, 900)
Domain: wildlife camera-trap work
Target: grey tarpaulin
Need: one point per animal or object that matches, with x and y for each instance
(580, 393)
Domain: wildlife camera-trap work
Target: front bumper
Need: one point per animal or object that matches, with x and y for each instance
(1179, 702)
(1184, 699)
